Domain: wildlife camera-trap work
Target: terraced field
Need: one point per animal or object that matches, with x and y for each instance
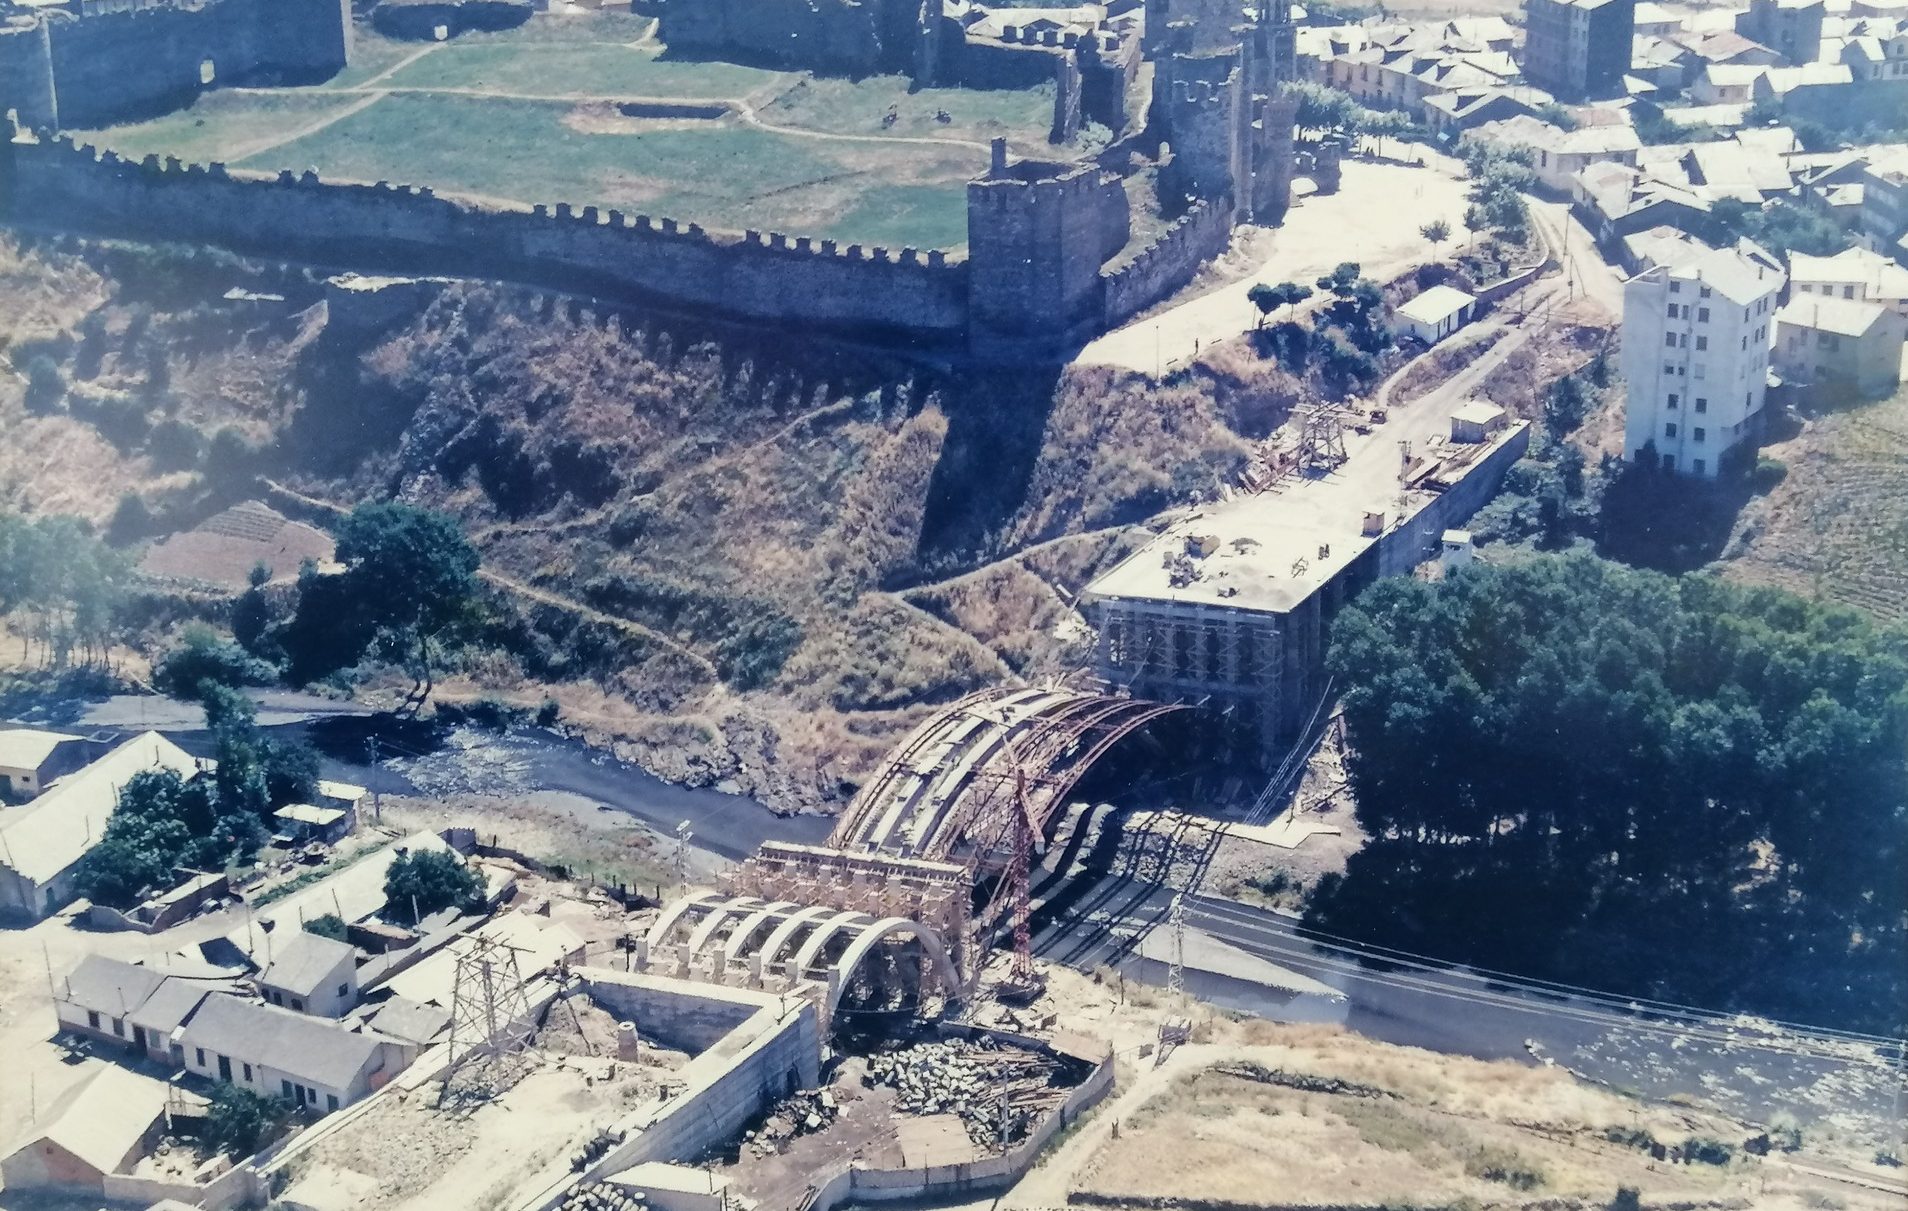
(1837, 527)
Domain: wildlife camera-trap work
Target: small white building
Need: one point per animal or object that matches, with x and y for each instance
(1840, 347)
(101, 1126)
(311, 974)
(1476, 421)
(1435, 314)
(31, 759)
(308, 822)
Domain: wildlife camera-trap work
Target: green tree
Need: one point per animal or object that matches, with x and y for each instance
(1437, 231)
(420, 883)
(45, 384)
(410, 582)
(202, 658)
(1733, 837)
(239, 1122)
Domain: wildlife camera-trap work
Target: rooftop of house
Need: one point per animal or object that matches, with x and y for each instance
(344, 792)
(1841, 317)
(1740, 276)
(1881, 276)
(1719, 45)
(312, 1049)
(353, 893)
(407, 1020)
(103, 1118)
(25, 748)
(1436, 304)
(108, 985)
(55, 831)
(306, 813)
(304, 962)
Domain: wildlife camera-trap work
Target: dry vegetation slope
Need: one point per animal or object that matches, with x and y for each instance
(1317, 1119)
(1837, 526)
(848, 539)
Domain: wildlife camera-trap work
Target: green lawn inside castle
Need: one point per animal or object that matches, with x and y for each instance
(592, 110)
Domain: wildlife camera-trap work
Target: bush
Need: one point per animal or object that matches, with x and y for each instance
(132, 520)
(1707, 1150)
(204, 657)
(239, 1122)
(547, 713)
(1768, 473)
(1628, 1198)
(331, 925)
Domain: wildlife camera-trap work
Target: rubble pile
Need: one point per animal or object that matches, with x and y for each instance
(602, 1196)
(593, 1151)
(998, 1092)
(802, 1113)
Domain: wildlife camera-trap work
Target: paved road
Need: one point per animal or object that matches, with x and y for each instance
(1753, 1073)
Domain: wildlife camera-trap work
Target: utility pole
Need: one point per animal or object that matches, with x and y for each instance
(1176, 974)
(377, 799)
(683, 833)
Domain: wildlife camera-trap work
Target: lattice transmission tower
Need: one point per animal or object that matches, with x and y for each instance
(490, 1022)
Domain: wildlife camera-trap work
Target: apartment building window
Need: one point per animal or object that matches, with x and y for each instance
(1669, 367)
(1702, 343)
(1682, 340)
(1703, 293)
(1702, 404)
(1676, 288)
(1702, 315)
(1669, 340)
(200, 1053)
(1670, 401)
(1669, 462)
(1699, 466)
(119, 1028)
(92, 1019)
(1848, 292)
(1700, 434)
(1748, 400)
(1669, 430)
(248, 1072)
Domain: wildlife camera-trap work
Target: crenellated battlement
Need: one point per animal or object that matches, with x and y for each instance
(412, 228)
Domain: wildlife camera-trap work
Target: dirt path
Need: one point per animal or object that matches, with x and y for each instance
(259, 147)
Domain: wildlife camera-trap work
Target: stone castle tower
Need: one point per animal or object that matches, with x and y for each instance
(1220, 102)
(1037, 234)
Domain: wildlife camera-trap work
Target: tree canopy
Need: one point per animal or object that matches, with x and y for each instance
(410, 580)
(420, 883)
(60, 584)
(1665, 787)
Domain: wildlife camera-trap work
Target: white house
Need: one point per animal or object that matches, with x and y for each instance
(41, 844)
(1558, 155)
(31, 759)
(1696, 337)
(312, 1062)
(1435, 314)
(1855, 273)
(311, 974)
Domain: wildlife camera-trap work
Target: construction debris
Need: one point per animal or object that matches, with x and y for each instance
(998, 1092)
(593, 1151)
(601, 1196)
(802, 1113)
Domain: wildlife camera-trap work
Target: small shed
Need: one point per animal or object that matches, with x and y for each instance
(100, 1126)
(1436, 314)
(309, 822)
(1475, 421)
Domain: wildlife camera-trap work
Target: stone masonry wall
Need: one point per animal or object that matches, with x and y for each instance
(855, 36)
(1169, 262)
(402, 229)
(118, 66)
(26, 75)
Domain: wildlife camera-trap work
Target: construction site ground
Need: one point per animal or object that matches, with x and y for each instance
(775, 1176)
(1378, 1125)
(406, 1152)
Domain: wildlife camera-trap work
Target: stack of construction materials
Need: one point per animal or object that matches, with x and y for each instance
(601, 1196)
(802, 1113)
(998, 1092)
(593, 1151)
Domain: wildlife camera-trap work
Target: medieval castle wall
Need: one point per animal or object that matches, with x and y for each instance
(110, 66)
(1168, 263)
(397, 228)
(856, 37)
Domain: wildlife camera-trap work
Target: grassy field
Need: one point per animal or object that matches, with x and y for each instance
(1837, 526)
(530, 116)
(224, 126)
(724, 175)
(580, 70)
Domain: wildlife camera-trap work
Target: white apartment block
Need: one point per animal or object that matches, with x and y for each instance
(1696, 337)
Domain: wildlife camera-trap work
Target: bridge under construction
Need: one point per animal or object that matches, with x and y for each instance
(890, 911)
